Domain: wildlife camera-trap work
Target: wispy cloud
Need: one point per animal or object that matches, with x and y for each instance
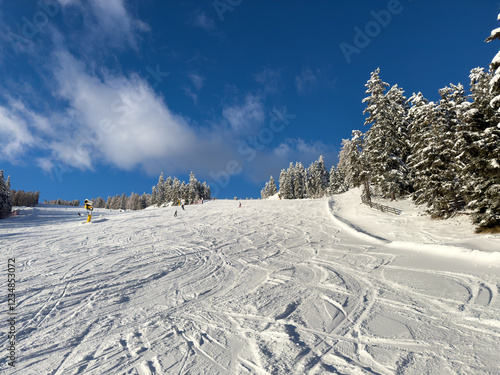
(16, 131)
(201, 19)
(108, 20)
(190, 93)
(197, 80)
(247, 117)
(270, 80)
(306, 81)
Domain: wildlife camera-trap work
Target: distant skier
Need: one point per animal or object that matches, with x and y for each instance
(239, 205)
(175, 214)
(183, 207)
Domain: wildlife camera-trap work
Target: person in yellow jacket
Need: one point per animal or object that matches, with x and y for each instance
(89, 208)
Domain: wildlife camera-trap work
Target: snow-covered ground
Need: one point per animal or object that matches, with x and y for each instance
(274, 287)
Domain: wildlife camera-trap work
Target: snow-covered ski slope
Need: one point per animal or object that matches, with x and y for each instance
(273, 287)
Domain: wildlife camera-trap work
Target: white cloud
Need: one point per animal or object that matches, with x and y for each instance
(20, 130)
(189, 92)
(247, 117)
(197, 80)
(270, 79)
(306, 81)
(119, 119)
(15, 134)
(203, 21)
(109, 21)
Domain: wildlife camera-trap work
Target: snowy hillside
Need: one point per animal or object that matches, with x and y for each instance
(273, 287)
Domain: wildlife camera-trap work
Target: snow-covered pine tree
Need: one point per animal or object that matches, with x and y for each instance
(478, 147)
(289, 191)
(5, 203)
(194, 188)
(311, 180)
(269, 189)
(286, 188)
(439, 157)
(206, 191)
(145, 200)
(350, 163)
(154, 198)
(318, 179)
(123, 201)
(176, 191)
(337, 182)
(264, 193)
(385, 148)
(421, 116)
(272, 187)
(495, 69)
(99, 203)
(160, 189)
(185, 193)
(299, 181)
(323, 177)
(168, 189)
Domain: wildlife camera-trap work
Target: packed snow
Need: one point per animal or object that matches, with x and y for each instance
(274, 287)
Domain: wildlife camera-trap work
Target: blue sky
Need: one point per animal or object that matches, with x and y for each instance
(98, 97)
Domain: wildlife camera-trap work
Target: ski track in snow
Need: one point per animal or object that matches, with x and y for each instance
(274, 287)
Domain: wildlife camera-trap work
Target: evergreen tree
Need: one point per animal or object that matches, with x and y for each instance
(337, 183)
(385, 148)
(194, 188)
(286, 183)
(299, 181)
(154, 196)
(318, 178)
(207, 194)
(269, 189)
(421, 116)
(99, 202)
(5, 202)
(350, 164)
(478, 147)
(286, 189)
(160, 190)
(440, 188)
(495, 69)
(145, 200)
(123, 201)
(184, 193)
(176, 191)
(272, 187)
(264, 193)
(168, 189)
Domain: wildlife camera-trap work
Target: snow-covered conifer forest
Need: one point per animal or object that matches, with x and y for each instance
(443, 154)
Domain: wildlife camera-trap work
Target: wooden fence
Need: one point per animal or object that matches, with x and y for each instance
(379, 206)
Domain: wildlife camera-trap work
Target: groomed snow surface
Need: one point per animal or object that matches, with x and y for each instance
(274, 287)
